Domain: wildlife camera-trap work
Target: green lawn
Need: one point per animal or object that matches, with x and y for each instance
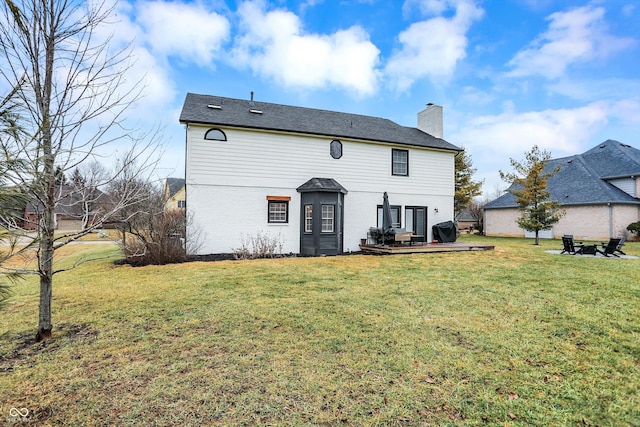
(514, 336)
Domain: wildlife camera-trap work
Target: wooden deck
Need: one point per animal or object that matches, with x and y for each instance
(417, 248)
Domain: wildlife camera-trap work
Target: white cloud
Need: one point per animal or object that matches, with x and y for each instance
(578, 35)
(186, 30)
(561, 131)
(586, 89)
(471, 95)
(426, 7)
(432, 48)
(628, 9)
(274, 44)
(494, 139)
(143, 74)
(628, 111)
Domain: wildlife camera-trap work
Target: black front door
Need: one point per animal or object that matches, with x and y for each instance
(321, 216)
(321, 223)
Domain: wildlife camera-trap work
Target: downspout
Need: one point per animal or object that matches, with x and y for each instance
(186, 199)
(610, 220)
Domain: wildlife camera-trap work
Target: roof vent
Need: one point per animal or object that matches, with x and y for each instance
(214, 107)
(254, 111)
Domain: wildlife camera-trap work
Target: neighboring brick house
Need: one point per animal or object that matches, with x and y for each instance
(599, 191)
(175, 196)
(74, 209)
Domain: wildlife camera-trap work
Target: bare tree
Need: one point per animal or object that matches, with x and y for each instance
(136, 214)
(73, 95)
(476, 210)
(86, 199)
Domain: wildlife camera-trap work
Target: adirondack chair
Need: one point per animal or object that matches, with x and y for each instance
(611, 248)
(619, 247)
(569, 246)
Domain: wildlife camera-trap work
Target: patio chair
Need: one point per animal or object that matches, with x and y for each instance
(619, 247)
(375, 236)
(611, 248)
(569, 246)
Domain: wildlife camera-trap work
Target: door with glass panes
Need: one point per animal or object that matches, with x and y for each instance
(322, 216)
(415, 220)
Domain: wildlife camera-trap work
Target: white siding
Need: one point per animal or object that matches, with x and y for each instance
(223, 216)
(228, 182)
(628, 185)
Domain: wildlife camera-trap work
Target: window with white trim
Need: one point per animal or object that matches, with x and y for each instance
(278, 211)
(328, 217)
(399, 162)
(308, 218)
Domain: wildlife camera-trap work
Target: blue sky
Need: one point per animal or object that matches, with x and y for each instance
(564, 75)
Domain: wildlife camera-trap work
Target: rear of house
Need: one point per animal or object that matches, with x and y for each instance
(312, 180)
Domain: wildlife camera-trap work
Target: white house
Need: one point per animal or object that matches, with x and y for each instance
(313, 179)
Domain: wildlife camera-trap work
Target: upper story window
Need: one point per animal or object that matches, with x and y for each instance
(399, 162)
(215, 135)
(335, 148)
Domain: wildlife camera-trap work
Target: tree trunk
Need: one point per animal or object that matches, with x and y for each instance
(44, 318)
(48, 182)
(537, 238)
(46, 251)
(45, 270)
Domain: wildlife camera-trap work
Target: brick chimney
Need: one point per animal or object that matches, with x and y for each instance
(430, 120)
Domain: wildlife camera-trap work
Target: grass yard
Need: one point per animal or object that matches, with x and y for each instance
(510, 337)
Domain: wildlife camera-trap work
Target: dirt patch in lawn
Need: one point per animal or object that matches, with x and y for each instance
(26, 345)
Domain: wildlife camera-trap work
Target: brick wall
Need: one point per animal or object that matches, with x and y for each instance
(583, 222)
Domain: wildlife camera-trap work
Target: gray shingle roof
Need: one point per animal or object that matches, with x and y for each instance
(174, 185)
(612, 159)
(582, 178)
(277, 117)
(322, 184)
(70, 201)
